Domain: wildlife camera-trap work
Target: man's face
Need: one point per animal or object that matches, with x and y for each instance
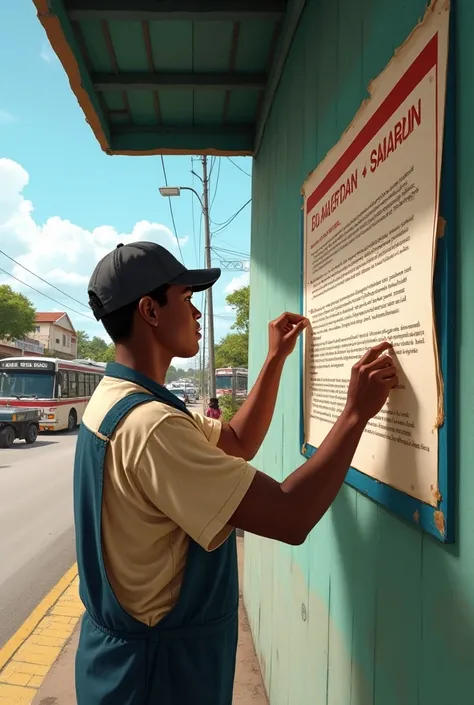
(178, 327)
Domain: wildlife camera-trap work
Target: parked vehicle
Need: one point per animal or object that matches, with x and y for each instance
(18, 422)
(181, 394)
(192, 396)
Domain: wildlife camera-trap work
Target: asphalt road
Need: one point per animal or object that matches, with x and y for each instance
(36, 524)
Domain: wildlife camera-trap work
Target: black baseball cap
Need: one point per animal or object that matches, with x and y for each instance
(132, 271)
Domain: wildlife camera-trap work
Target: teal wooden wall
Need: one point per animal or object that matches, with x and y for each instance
(369, 611)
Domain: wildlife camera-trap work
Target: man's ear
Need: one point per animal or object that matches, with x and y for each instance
(149, 310)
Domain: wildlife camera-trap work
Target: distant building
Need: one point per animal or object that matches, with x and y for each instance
(18, 348)
(55, 331)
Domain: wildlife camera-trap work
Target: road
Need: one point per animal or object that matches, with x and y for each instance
(36, 524)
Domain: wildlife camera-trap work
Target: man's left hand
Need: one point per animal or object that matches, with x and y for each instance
(284, 331)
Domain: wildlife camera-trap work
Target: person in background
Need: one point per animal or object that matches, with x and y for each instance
(214, 411)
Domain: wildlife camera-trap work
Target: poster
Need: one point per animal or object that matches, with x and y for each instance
(370, 232)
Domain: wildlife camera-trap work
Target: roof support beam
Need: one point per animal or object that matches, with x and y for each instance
(290, 25)
(150, 10)
(166, 139)
(177, 130)
(133, 81)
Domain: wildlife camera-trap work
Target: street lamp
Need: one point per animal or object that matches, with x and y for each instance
(169, 192)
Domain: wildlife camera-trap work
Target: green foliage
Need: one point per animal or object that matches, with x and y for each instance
(229, 408)
(232, 351)
(173, 374)
(17, 314)
(94, 349)
(240, 301)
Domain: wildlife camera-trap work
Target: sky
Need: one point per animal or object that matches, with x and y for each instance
(64, 203)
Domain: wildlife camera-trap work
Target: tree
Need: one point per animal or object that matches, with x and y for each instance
(232, 351)
(82, 343)
(17, 314)
(240, 301)
(95, 349)
(171, 375)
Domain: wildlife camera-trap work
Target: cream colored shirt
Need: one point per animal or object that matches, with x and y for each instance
(164, 481)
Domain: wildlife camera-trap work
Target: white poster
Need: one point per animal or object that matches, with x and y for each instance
(371, 214)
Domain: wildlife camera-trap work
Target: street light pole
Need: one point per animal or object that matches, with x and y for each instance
(168, 192)
(210, 307)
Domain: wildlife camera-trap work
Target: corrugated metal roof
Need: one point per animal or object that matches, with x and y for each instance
(172, 76)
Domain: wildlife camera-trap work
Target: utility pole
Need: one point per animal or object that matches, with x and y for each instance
(203, 358)
(210, 307)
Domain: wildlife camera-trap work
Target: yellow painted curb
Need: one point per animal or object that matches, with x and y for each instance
(30, 653)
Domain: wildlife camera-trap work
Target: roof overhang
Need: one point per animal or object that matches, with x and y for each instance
(173, 76)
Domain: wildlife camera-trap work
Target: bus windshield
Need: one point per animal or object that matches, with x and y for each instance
(22, 384)
(224, 381)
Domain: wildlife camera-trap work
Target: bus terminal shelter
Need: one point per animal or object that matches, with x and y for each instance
(373, 609)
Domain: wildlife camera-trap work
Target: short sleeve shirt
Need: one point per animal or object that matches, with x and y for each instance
(165, 481)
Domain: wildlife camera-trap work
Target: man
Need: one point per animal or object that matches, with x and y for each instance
(158, 490)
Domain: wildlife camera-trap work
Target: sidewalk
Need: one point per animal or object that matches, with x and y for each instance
(58, 686)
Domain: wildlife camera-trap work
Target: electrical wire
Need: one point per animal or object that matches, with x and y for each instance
(211, 166)
(217, 185)
(171, 209)
(41, 293)
(193, 220)
(223, 227)
(44, 280)
(231, 218)
(239, 167)
(226, 251)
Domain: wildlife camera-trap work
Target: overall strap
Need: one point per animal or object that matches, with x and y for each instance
(121, 409)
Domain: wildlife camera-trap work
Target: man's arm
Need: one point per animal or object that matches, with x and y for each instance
(244, 435)
(288, 511)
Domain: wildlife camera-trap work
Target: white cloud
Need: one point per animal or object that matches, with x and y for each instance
(47, 53)
(59, 251)
(6, 117)
(237, 283)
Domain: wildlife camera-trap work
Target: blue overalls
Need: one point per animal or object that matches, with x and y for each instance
(188, 658)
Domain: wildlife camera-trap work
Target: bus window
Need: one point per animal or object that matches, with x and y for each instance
(81, 386)
(72, 385)
(62, 385)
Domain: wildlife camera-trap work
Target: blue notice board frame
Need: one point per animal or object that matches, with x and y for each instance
(438, 521)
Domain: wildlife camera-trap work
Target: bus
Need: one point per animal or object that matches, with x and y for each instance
(59, 388)
(232, 380)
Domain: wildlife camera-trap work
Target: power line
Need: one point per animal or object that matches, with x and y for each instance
(239, 167)
(227, 251)
(44, 280)
(219, 230)
(230, 218)
(193, 219)
(212, 164)
(41, 293)
(171, 209)
(217, 184)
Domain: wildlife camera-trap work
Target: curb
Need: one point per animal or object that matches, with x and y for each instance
(28, 656)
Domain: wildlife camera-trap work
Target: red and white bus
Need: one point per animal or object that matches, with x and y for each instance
(232, 380)
(60, 388)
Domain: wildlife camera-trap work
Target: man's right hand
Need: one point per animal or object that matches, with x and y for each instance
(372, 378)
(287, 511)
